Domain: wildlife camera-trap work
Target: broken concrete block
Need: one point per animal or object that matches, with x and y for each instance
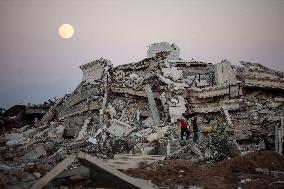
(164, 47)
(37, 174)
(172, 73)
(60, 130)
(56, 132)
(29, 132)
(190, 146)
(224, 73)
(228, 117)
(69, 133)
(13, 136)
(84, 129)
(28, 177)
(152, 137)
(111, 111)
(93, 71)
(22, 140)
(144, 133)
(117, 131)
(148, 122)
(93, 140)
(4, 168)
(264, 171)
(119, 128)
(34, 154)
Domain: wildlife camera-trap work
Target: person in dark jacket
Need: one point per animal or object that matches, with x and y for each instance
(267, 144)
(195, 129)
(184, 128)
(282, 146)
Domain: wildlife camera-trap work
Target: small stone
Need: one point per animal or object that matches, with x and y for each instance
(34, 154)
(243, 181)
(37, 174)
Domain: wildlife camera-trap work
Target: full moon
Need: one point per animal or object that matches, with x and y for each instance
(66, 31)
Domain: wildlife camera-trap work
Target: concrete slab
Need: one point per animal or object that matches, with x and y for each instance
(54, 172)
(117, 178)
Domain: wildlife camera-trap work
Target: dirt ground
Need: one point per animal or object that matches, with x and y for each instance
(233, 173)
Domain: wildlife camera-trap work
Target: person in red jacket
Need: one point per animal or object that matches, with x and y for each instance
(184, 128)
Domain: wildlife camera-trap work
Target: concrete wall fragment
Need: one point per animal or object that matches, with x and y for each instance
(153, 106)
(224, 73)
(93, 71)
(164, 46)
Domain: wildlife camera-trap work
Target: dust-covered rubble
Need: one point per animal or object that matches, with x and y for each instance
(133, 109)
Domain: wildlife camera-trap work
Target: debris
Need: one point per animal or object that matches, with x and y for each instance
(34, 154)
(69, 133)
(133, 109)
(53, 173)
(117, 178)
(190, 146)
(84, 129)
(153, 107)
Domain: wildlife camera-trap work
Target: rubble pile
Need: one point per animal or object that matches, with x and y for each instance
(133, 109)
(21, 115)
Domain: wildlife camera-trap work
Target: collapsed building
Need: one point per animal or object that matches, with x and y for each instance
(156, 91)
(20, 115)
(133, 108)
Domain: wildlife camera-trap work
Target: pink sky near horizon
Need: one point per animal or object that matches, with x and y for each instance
(36, 64)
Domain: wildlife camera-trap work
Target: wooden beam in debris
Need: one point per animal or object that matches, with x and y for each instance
(119, 179)
(54, 172)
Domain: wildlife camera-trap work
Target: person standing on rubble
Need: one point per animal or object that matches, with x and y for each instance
(195, 129)
(184, 127)
(282, 146)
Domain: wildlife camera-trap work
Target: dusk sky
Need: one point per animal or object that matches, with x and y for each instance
(37, 64)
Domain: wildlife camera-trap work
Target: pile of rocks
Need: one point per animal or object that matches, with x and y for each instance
(133, 108)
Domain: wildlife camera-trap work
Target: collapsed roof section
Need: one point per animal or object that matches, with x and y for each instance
(157, 90)
(258, 76)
